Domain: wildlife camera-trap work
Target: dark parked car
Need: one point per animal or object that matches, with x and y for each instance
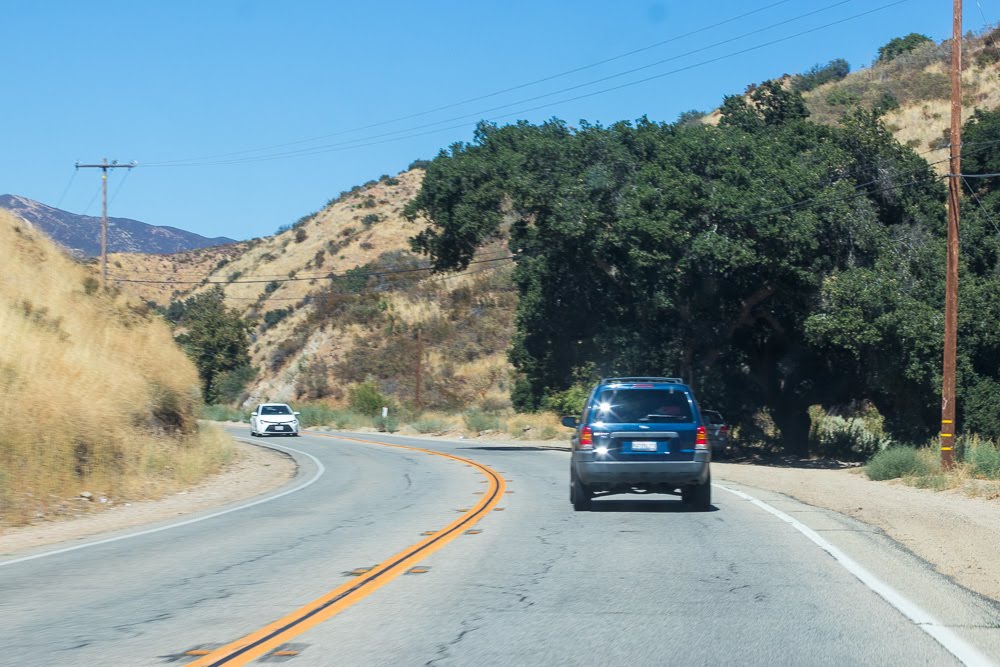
(640, 435)
(718, 432)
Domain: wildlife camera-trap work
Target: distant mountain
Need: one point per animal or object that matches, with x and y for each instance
(81, 234)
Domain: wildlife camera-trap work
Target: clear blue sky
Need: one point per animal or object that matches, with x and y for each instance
(164, 81)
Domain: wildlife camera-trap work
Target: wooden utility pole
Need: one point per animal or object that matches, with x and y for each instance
(951, 277)
(104, 166)
(420, 356)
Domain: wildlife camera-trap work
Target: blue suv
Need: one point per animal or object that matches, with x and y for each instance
(640, 435)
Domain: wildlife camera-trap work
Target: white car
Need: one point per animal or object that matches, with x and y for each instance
(274, 419)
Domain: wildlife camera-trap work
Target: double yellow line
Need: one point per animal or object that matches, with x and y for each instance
(268, 638)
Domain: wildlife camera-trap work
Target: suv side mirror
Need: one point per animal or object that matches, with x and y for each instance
(296, 413)
(253, 414)
(570, 422)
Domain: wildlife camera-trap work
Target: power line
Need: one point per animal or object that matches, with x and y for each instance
(367, 290)
(985, 210)
(330, 276)
(493, 94)
(66, 189)
(346, 145)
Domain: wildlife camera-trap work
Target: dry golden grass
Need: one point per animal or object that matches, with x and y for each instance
(94, 393)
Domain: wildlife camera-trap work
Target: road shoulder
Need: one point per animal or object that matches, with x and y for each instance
(956, 534)
(257, 470)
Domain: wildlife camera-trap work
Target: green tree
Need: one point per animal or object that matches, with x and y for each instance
(817, 75)
(900, 45)
(652, 248)
(216, 339)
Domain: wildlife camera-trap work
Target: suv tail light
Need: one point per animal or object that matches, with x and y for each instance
(701, 439)
(723, 429)
(586, 438)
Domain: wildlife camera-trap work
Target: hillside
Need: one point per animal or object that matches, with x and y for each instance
(94, 394)
(315, 333)
(81, 234)
(915, 89)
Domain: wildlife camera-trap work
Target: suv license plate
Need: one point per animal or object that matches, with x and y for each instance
(643, 445)
(279, 428)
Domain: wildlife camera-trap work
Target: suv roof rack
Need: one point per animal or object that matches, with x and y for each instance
(642, 379)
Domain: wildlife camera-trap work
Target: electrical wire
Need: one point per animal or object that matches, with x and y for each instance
(495, 93)
(330, 276)
(118, 189)
(66, 189)
(985, 210)
(368, 141)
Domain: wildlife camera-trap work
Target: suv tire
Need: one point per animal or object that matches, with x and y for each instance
(579, 494)
(699, 495)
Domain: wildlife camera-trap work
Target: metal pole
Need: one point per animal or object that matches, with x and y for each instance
(951, 278)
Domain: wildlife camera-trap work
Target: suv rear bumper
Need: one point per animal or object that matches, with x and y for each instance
(609, 474)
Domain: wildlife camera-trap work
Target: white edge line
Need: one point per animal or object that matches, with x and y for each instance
(319, 473)
(958, 647)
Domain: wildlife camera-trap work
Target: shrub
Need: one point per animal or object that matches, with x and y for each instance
(313, 381)
(842, 98)
(429, 425)
(690, 118)
(847, 439)
(230, 386)
(567, 402)
(370, 219)
(271, 287)
(221, 413)
(897, 462)
(983, 458)
(419, 164)
(900, 45)
(817, 75)
(366, 399)
(388, 424)
(301, 235)
(478, 421)
(272, 317)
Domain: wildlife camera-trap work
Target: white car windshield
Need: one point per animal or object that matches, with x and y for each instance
(275, 410)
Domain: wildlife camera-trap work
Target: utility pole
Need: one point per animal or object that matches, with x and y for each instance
(420, 356)
(104, 166)
(951, 276)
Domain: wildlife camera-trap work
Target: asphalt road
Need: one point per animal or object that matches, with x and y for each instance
(637, 581)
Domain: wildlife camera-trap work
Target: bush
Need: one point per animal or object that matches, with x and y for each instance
(272, 317)
(370, 219)
(221, 413)
(817, 75)
(366, 399)
(900, 45)
(846, 439)
(301, 235)
(983, 458)
(897, 462)
(429, 426)
(230, 386)
(478, 421)
(388, 424)
(567, 402)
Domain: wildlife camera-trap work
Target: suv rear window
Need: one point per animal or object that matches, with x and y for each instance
(621, 406)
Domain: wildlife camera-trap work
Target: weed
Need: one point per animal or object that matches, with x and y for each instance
(897, 462)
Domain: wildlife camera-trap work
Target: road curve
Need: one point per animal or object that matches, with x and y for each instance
(638, 581)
